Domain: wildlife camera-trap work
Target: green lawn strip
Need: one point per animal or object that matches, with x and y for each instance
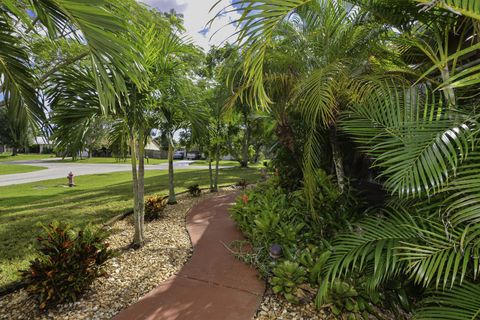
(232, 163)
(111, 160)
(96, 199)
(18, 168)
(221, 163)
(24, 156)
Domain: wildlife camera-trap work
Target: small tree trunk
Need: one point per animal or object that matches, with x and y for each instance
(337, 159)
(14, 151)
(138, 239)
(217, 162)
(448, 90)
(246, 139)
(171, 186)
(210, 171)
(141, 183)
(257, 155)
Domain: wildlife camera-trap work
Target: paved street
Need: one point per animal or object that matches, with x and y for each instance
(61, 169)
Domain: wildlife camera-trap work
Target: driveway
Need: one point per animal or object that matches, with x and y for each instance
(61, 169)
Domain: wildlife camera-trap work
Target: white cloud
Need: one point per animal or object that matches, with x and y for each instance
(196, 17)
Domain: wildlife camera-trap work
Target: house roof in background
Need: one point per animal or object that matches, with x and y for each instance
(41, 140)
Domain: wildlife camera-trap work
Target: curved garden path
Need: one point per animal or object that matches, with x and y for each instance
(213, 285)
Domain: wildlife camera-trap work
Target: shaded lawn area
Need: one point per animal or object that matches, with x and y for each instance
(18, 168)
(94, 200)
(24, 156)
(221, 163)
(232, 163)
(110, 160)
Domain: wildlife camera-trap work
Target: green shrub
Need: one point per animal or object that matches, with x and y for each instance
(287, 280)
(313, 260)
(69, 260)
(194, 190)
(154, 207)
(242, 183)
(342, 298)
(334, 210)
(268, 215)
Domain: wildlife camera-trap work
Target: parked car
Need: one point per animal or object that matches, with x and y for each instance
(178, 155)
(194, 155)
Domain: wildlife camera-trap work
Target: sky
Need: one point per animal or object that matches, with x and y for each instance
(196, 17)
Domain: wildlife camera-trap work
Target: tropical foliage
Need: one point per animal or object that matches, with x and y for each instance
(69, 262)
(388, 102)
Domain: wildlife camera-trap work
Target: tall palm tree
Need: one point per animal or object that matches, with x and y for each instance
(76, 103)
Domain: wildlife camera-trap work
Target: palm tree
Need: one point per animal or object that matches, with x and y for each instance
(76, 103)
(174, 94)
(334, 50)
(173, 114)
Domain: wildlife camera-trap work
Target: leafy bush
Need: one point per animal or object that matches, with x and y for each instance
(334, 210)
(194, 190)
(242, 183)
(154, 207)
(287, 280)
(68, 262)
(268, 215)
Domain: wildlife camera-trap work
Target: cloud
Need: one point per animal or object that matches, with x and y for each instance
(197, 16)
(166, 5)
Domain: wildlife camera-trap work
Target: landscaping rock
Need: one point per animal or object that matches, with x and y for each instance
(130, 275)
(276, 308)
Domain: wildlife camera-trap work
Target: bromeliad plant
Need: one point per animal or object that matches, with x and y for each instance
(194, 190)
(69, 260)
(154, 207)
(287, 280)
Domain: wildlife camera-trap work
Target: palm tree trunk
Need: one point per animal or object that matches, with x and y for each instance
(448, 90)
(337, 158)
(210, 171)
(141, 183)
(246, 139)
(286, 136)
(171, 186)
(138, 239)
(217, 162)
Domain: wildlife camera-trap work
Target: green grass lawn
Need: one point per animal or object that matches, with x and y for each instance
(222, 163)
(226, 163)
(18, 168)
(94, 200)
(110, 160)
(24, 156)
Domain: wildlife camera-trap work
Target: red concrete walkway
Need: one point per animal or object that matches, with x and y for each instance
(213, 285)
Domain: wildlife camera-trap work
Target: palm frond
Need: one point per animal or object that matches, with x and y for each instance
(463, 202)
(100, 24)
(17, 81)
(469, 8)
(414, 139)
(374, 243)
(258, 22)
(459, 303)
(443, 255)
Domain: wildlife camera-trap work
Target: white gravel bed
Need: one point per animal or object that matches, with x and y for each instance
(276, 308)
(131, 275)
